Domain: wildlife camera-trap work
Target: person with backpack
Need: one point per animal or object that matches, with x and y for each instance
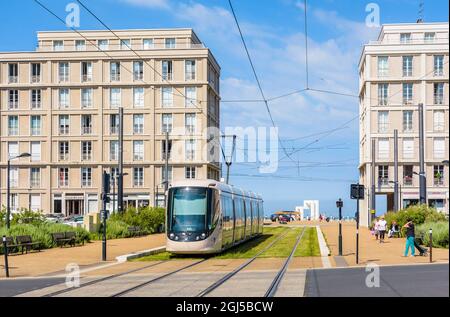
(410, 238)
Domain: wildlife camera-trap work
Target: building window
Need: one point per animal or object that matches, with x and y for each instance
(138, 70)
(86, 124)
(190, 71)
(58, 46)
(383, 148)
(115, 97)
(103, 45)
(166, 126)
(36, 97)
(113, 123)
(13, 149)
(165, 152)
(13, 73)
(439, 65)
(80, 45)
(86, 177)
(14, 203)
(383, 66)
(13, 99)
(439, 93)
(35, 125)
(35, 202)
(190, 123)
(439, 120)
(438, 173)
(439, 148)
(115, 71)
(138, 94)
(64, 98)
(163, 174)
(63, 72)
(14, 177)
(35, 73)
(407, 94)
(167, 70)
(429, 37)
(63, 179)
(138, 124)
(407, 66)
(383, 92)
(64, 150)
(13, 125)
(35, 148)
(167, 97)
(138, 176)
(170, 43)
(64, 125)
(86, 150)
(147, 44)
(138, 150)
(405, 38)
(383, 175)
(86, 97)
(190, 150)
(408, 121)
(190, 172)
(191, 97)
(125, 45)
(35, 177)
(408, 148)
(408, 175)
(86, 71)
(383, 121)
(114, 150)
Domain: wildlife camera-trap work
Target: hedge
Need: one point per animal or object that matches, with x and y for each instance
(440, 233)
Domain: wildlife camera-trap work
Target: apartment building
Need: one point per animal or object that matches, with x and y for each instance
(60, 103)
(406, 66)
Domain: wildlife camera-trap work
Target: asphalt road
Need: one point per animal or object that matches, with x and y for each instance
(395, 281)
(13, 287)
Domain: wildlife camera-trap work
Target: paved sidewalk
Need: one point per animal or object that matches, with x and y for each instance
(54, 261)
(371, 251)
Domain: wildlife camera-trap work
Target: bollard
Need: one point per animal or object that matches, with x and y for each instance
(431, 245)
(5, 249)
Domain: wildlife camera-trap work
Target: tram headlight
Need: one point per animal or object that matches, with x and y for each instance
(203, 235)
(197, 238)
(176, 238)
(171, 236)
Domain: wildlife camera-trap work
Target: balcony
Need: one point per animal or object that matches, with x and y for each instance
(439, 100)
(63, 156)
(138, 157)
(383, 102)
(167, 76)
(63, 78)
(190, 129)
(36, 105)
(63, 183)
(86, 130)
(35, 79)
(86, 156)
(138, 129)
(115, 77)
(86, 183)
(86, 78)
(438, 181)
(35, 131)
(383, 181)
(13, 104)
(35, 183)
(86, 103)
(408, 181)
(138, 76)
(13, 131)
(64, 130)
(439, 72)
(190, 155)
(13, 79)
(114, 130)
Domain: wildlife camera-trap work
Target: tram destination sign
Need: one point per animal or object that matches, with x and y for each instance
(357, 191)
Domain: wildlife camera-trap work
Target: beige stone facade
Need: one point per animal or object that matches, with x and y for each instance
(406, 66)
(60, 103)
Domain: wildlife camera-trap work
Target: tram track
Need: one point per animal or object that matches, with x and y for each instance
(278, 278)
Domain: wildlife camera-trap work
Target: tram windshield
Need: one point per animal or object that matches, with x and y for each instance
(189, 209)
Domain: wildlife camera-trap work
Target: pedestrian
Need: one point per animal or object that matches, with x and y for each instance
(394, 229)
(410, 237)
(375, 228)
(382, 224)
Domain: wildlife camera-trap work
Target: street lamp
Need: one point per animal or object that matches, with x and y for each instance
(8, 188)
(114, 180)
(340, 204)
(397, 204)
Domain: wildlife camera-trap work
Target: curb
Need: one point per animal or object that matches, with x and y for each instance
(324, 250)
(139, 254)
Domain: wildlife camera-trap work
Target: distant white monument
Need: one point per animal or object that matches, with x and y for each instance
(313, 206)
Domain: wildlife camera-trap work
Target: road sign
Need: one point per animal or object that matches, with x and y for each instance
(357, 191)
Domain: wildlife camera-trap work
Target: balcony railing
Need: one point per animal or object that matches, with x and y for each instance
(190, 155)
(36, 104)
(63, 156)
(190, 129)
(13, 131)
(115, 77)
(410, 41)
(167, 76)
(35, 131)
(408, 102)
(63, 183)
(114, 156)
(35, 79)
(438, 100)
(163, 155)
(138, 76)
(439, 72)
(13, 104)
(138, 157)
(438, 181)
(407, 181)
(86, 103)
(86, 130)
(63, 78)
(35, 183)
(64, 130)
(138, 129)
(383, 181)
(86, 78)
(13, 79)
(86, 183)
(86, 156)
(114, 130)
(383, 102)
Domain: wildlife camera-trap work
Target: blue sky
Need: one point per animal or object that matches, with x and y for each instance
(274, 30)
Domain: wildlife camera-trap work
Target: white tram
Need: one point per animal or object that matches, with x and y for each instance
(206, 216)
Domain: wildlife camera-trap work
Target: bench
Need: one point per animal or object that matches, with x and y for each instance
(26, 243)
(10, 245)
(136, 231)
(64, 238)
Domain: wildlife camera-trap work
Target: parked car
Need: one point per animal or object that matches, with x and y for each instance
(284, 219)
(54, 218)
(274, 218)
(74, 221)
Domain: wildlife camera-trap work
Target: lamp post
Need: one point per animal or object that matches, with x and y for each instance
(8, 187)
(340, 204)
(396, 195)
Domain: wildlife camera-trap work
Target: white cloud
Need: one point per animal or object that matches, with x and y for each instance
(163, 4)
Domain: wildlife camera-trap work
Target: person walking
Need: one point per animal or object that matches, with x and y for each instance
(375, 228)
(410, 237)
(382, 224)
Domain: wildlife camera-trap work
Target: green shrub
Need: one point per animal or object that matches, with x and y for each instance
(149, 219)
(440, 233)
(43, 232)
(418, 214)
(115, 229)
